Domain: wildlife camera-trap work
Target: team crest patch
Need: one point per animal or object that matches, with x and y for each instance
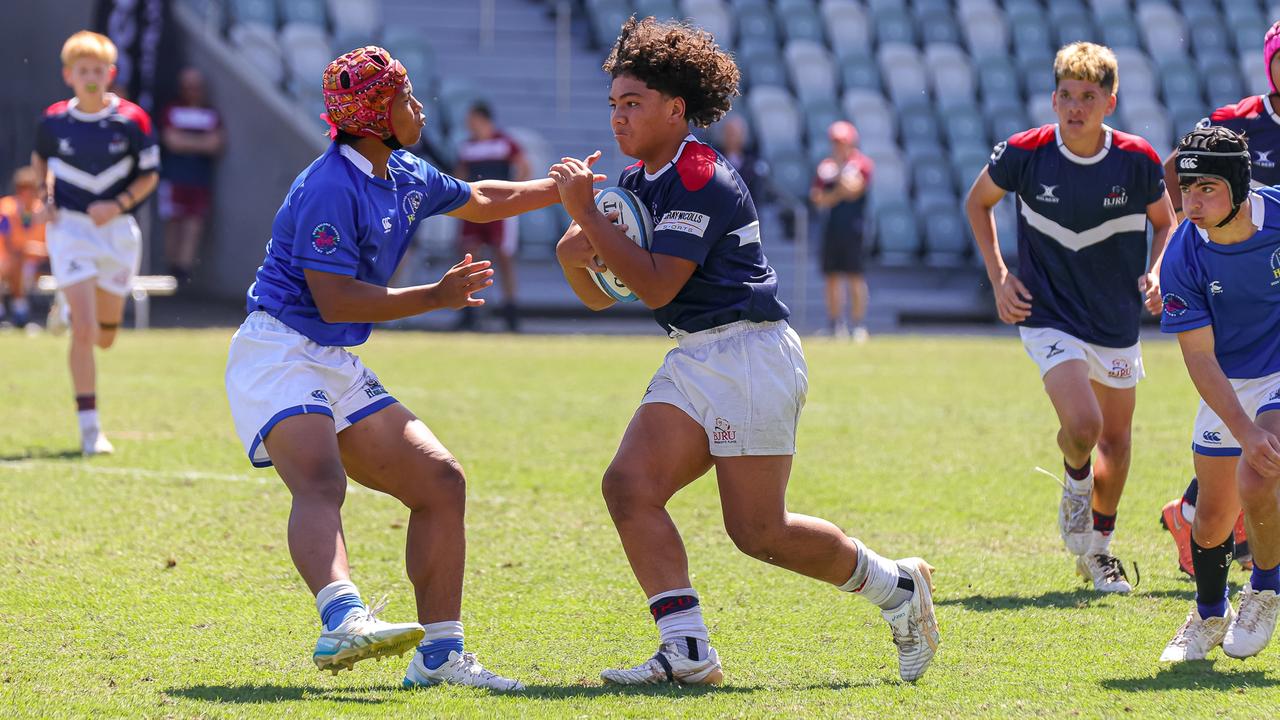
(325, 239)
(723, 433)
(412, 201)
(1275, 267)
(1174, 306)
(1120, 369)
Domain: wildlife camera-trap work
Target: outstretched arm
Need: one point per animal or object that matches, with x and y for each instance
(497, 199)
(342, 298)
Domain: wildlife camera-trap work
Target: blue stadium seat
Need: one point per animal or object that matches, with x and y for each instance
(897, 235)
(1137, 78)
(950, 74)
(917, 124)
(764, 67)
(903, 70)
(1164, 32)
(1180, 82)
(1006, 122)
(963, 126)
(606, 17)
(348, 40)
(875, 5)
(859, 72)
(818, 116)
(1253, 72)
(741, 6)
(927, 10)
(713, 16)
(985, 30)
(874, 117)
(1248, 34)
(791, 174)
(803, 25)
(304, 12)
(966, 163)
(1066, 10)
(946, 233)
(776, 119)
(889, 180)
(999, 81)
(1037, 74)
(1222, 79)
(1073, 28)
(258, 45)
(894, 25)
(254, 12)
(939, 28)
(661, 9)
(1031, 34)
(1210, 37)
(357, 15)
(782, 7)
(813, 71)
(931, 174)
(1119, 30)
(756, 24)
(848, 27)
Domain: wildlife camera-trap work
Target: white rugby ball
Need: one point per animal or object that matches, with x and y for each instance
(633, 214)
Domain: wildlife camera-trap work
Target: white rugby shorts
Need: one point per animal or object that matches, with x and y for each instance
(275, 372)
(79, 250)
(1210, 435)
(1114, 367)
(745, 383)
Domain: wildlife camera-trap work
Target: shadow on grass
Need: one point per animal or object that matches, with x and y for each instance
(256, 694)
(1053, 599)
(1193, 675)
(261, 694)
(42, 454)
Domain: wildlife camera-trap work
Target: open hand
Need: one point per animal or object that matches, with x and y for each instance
(575, 179)
(455, 289)
(1149, 286)
(1013, 300)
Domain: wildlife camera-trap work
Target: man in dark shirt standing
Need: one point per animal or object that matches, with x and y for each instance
(191, 131)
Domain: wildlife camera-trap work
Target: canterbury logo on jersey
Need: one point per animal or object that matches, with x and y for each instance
(684, 221)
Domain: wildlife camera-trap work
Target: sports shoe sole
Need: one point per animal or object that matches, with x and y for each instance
(345, 659)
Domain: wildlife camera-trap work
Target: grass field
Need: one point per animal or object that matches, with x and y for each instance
(156, 582)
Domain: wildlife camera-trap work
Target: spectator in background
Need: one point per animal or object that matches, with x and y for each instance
(735, 147)
(840, 186)
(191, 132)
(489, 154)
(22, 248)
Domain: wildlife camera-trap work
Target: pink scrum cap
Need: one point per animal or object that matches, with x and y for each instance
(1269, 49)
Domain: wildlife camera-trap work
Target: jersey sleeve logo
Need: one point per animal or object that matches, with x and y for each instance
(1275, 267)
(692, 223)
(998, 151)
(1174, 306)
(325, 239)
(412, 201)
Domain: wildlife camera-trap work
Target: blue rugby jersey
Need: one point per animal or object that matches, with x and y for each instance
(702, 212)
(95, 156)
(339, 218)
(1233, 288)
(1082, 229)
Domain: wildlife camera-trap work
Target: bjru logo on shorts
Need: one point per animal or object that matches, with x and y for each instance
(373, 388)
(723, 433)
(1119, 369)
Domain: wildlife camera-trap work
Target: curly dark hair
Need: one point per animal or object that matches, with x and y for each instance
(678, 60)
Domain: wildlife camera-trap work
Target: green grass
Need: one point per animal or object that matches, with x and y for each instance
(156, 582)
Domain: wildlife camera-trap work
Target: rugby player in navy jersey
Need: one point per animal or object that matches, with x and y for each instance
(303, 402)
(729, 395)
(1086, 194)
(1221, 282)
(1257, 117)
(102, 155)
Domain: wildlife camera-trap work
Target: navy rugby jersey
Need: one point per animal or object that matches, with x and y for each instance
(1082, 229)
(1254, 118)
(339, 218)
(1234, 288)
(702, 212)
(95, 156)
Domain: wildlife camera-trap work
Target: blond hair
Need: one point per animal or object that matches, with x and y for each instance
(1088, 62)
(90, 45)
(26, 176)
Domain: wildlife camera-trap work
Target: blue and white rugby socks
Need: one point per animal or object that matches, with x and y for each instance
(679, 619)
(336, 601)
(879, 579)
(441, 639)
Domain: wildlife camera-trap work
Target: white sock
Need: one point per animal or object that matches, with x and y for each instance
(1188, 512)
(88, 420)
(1100, 544)
(337, 588)
(876, 579)
(447, 630)
(1080, 487)
(684, 626)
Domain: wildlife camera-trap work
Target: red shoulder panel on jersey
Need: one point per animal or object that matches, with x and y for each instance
(1249, 107)
(1134, 143)
(136, 114)
(57, 108)
(696, 166)
(1033, 138)
(634, 166)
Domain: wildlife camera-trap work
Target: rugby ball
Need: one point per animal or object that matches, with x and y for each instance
(633, 214)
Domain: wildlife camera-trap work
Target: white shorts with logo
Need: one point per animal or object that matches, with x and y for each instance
(79, 250)
(1211, 436)
(744, 383)
(1114, 367)
(275, 372)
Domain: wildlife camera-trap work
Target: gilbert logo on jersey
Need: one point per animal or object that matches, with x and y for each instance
(1047, 194)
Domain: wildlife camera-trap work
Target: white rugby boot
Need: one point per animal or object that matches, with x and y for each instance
(93, 442)
(1075, 518)
(1254, 625)
(362, 636)
(915, 629)
(670, 665)
(1198, 636)
(459, 669)
(1106, 572)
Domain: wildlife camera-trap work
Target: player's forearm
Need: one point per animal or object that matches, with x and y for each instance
(585, 288)
(351, 300)
(1213, 385)
(497, 199)
(983, 223)
(632, 264)
(138, 190)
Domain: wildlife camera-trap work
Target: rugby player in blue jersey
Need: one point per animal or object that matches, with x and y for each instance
(1221, 282)
(301, 401)
(1086, 196)
(729, 395)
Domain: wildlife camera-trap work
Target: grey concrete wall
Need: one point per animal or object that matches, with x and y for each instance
(268, 144)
